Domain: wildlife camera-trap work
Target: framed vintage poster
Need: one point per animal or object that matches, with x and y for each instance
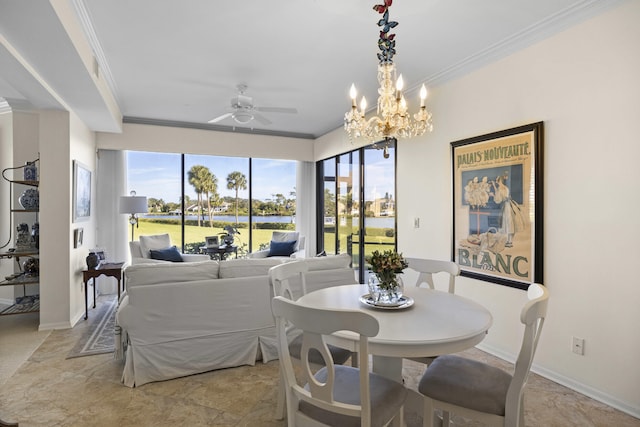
(497, 206)
(81, 192)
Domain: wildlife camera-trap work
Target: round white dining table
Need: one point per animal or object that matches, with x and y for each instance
(437, 323)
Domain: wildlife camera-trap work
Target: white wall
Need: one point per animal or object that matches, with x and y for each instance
(83, 149)
(55, 188)
(584, 84)
(63, 138)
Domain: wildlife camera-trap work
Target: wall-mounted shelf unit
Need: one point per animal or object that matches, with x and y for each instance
(25, 303)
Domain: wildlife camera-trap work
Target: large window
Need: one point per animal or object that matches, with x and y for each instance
(273, 195)
(356, 213)
(192, 197)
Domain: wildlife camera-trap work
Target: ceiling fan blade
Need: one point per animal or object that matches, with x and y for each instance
(220, 118)
(276, 110)
(262, 119)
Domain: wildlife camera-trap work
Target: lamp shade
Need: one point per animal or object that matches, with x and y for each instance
(133, 204)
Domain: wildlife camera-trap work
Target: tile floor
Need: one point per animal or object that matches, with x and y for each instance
(50, 390)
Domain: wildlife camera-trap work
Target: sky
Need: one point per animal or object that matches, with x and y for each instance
(157, 175)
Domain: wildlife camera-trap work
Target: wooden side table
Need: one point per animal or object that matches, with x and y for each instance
(111, 269)
(220, 252)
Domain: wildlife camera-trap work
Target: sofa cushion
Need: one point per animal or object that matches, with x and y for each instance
(282, 248)
(153, 274)
(155, 242)
(286, 236)
(330, 262)
(169, 254)
(247, 267)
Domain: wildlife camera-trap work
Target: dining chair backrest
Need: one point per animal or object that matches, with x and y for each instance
(532, 316)
(473, 389)
(315, 324)
(426, 268)
(281, 276)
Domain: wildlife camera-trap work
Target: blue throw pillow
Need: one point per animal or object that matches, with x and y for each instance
(169, 254)
(282, 248)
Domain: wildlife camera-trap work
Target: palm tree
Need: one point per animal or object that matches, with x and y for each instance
(236, 181)
(200, 177)
(210, 188)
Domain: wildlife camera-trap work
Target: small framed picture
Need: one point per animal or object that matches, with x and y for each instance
(81, 192)
(78, 237)
(212, 242)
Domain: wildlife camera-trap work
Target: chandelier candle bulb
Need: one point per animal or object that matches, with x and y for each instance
(353, 93)
(423, 95)
(399, 85)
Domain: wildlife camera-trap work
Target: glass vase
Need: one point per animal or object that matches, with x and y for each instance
(385, 295)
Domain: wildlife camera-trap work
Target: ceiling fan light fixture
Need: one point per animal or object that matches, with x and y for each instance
(244, 111)
(242, 117)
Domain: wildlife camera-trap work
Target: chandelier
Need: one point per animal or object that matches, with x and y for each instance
(392, 120)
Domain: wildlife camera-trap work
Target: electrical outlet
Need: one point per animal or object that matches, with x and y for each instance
(416, 222)
(577, 346)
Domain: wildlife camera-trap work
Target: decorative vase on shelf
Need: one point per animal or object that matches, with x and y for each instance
(23, 238)
(30, 199)
(385, 293)
(92, 261)
(30, 171)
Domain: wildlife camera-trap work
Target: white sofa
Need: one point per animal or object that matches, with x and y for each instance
(180, 319)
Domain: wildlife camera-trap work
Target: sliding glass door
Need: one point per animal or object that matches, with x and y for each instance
(357, 212)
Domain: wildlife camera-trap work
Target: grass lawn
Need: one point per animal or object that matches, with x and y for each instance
(376, 238)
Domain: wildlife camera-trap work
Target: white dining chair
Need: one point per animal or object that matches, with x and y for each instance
(426, 269)
(336, 395)
(475, 390)
(281, 277)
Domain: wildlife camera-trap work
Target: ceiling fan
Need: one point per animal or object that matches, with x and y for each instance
(244, 111)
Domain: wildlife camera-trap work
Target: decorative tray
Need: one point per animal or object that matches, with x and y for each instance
(404, 302)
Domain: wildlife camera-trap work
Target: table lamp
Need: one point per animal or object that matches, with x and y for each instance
(132, 205)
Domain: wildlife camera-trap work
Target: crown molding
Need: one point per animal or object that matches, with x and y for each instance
(98, 52)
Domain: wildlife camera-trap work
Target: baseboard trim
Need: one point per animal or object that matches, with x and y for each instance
(57, 325)
(549, 374)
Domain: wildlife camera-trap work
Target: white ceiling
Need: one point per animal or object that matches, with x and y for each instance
(178, 61)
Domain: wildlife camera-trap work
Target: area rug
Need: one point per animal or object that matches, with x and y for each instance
(99, 336)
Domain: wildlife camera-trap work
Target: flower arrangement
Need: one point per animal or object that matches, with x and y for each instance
(387, 265)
